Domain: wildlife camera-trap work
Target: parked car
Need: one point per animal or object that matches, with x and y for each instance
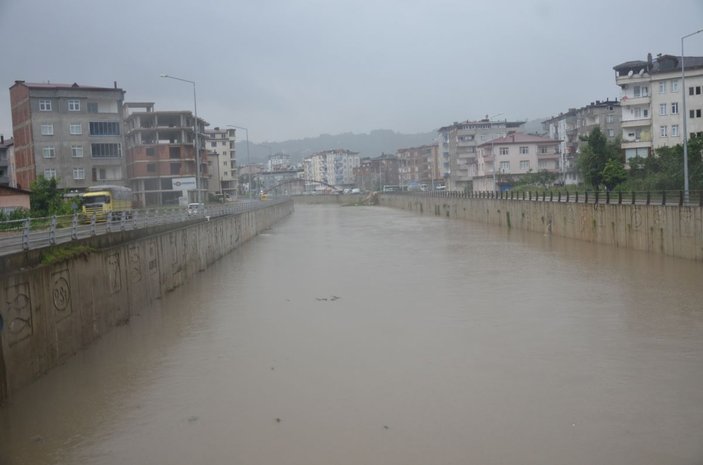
(195, 208)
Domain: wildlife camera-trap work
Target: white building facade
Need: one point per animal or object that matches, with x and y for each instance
(223, 171)
(457, 148)
(503, 160)
(652, 94)
(332, 167)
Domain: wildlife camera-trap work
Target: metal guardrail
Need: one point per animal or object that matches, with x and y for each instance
(33, 233)
(668, 198)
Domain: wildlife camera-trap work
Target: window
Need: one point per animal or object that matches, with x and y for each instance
(504, 166)
(49, 152)
(504, 150)
(150, 151)
(77, 151)
(213, 144)
(105, 150)
(92, 107)
(49, 173)
(694, 90)
(78, 173)
(524, 165)
(674, 108)
(694, 113)
(47, 129)
(151, 168)
(674, 130)
(609, 119)
(543, 165)
(675, 85)
(45, 105)
(611, 133)
(104, 128)
(75, 129)
(662, 87)
(662, 109)
(641, 112)
(640, 91)
(74, 105)
(543, 149)
(663, 131)
(524, 150)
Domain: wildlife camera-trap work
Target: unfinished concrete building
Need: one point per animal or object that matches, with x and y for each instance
(161, 154)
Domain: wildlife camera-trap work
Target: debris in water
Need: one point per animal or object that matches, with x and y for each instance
(385, 427)
(192, 419)
(278, 420)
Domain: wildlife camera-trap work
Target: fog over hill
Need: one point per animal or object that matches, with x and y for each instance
(373, 144)
(368, 145)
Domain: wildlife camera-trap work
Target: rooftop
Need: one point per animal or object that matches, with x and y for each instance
(662, 63)
(520, 138)
(54, 85)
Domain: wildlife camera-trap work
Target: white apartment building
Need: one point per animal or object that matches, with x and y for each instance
(457, 148)
(652, 96)
(223, 172)
(332, 167)
(501, 161)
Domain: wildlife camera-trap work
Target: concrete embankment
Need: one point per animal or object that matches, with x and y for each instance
(669, 230)
(49, 311)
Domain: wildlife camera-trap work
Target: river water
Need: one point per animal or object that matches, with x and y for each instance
(365, 335)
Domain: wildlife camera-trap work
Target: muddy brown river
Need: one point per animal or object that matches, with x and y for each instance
(366, 335)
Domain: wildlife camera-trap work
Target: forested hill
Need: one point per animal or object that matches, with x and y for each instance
(368, 145)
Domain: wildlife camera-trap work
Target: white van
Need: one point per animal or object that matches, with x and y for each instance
(195, 208)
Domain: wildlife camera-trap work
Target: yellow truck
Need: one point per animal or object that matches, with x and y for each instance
(101, 200)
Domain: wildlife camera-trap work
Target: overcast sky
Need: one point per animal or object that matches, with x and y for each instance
(298, 68)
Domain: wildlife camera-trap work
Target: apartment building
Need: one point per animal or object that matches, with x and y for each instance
(651, 99)
(278, 162)
(332, 167)
(161, 154)
(222, 162)
(568, 128)
(503, 160)
(418, 166)
(67, 131)
(7, 156)
(457, 147)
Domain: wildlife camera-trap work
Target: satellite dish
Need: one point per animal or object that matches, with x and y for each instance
(629, 74)
(641, 72)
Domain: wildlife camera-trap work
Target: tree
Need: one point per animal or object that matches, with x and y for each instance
(46, 199)
(542, 179)
(613, 174)
(594, 155)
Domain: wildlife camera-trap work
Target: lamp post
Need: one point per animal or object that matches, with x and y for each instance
(196, 144)
(685, 129)
(246, 133)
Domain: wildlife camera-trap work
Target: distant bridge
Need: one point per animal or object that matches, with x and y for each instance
(300, 181)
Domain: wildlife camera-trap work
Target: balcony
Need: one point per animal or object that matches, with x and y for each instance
(634, 123)
(642, 137)
(627, 101)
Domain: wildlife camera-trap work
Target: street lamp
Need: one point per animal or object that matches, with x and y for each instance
(685, 129)
(246, 132)
(196, 145)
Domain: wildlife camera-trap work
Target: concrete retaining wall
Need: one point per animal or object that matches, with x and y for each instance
(51, 311)
(669, 230)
